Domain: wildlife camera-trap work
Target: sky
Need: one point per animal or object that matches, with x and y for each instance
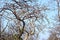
(50, 13)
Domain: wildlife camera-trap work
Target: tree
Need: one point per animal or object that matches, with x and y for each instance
(17, 13)
(55, 32)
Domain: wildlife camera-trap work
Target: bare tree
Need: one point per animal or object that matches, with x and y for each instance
(55, 32)
(21, 12)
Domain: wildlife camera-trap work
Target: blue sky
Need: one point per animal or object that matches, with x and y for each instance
(50, 13)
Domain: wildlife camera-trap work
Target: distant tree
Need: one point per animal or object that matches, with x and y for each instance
(55, 32)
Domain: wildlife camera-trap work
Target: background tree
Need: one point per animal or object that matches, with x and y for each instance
(55, 32)
(24, 21)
